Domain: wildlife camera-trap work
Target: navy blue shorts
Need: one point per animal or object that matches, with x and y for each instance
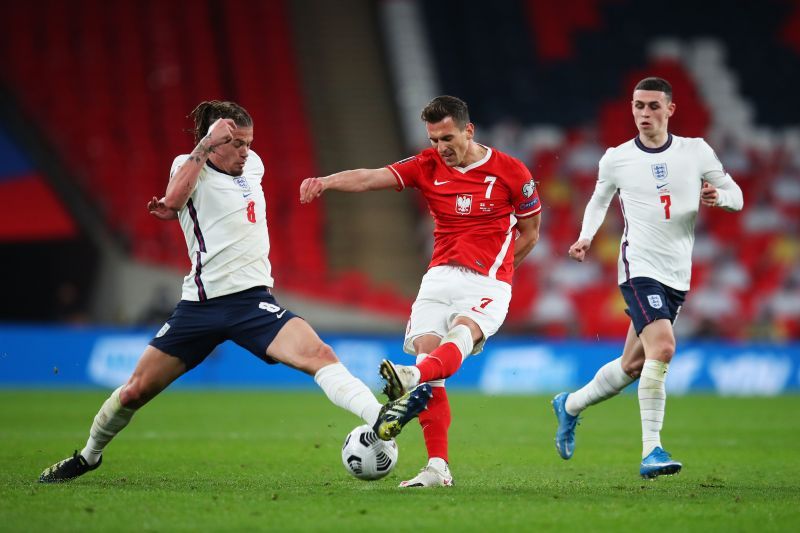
(251, 319)
(650, 300)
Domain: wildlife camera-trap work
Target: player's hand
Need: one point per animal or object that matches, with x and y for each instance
(709, 195)
(311, 188)
(220, 132)
(158, 209)
(578, 250)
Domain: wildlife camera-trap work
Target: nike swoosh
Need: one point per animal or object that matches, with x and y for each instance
(662, 185)
(279, 315)
(437, 182)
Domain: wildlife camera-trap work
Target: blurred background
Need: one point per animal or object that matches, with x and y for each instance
(94, 105)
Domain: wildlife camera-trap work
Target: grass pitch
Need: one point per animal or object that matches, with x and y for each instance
(208, 461)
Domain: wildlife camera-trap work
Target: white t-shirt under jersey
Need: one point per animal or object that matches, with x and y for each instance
(225, 226)
(659, 191)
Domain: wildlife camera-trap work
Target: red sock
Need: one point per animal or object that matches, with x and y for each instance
(440, 363)
(435, 421)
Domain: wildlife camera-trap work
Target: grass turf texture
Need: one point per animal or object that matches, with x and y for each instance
(271, 460)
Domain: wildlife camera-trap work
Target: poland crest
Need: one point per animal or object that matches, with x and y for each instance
(463, 204)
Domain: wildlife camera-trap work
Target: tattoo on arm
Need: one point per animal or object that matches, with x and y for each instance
(201, 151)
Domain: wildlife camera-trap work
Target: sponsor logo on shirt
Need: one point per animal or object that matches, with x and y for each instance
(463, 204)
(655, 301)
(437, 182)
(528, 205)
(528, 189)
(659, 171)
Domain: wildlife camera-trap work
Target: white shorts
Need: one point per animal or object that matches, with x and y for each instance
(448, 292)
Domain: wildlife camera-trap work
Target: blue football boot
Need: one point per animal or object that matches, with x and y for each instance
(397, 413)
(659, 463)
(565, 434)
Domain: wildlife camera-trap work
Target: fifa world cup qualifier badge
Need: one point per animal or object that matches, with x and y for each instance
(528, 189)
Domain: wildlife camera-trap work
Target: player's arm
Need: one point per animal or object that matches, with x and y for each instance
(719, 190)
(159, 209)
(184, 180)
(593, 217)
(359, 180)
(528, 228)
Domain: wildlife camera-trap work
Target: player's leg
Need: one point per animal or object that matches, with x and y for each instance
(653, 308)
(298, 345)
(464, 318)
(455, 347)
(609, 381)
(435, 421)
(154, 372)
(611, 378)
(659, 345)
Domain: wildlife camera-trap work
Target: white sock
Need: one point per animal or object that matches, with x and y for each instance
(109, 421)
(607, 383)
(438, 463)
(348, 392)
(652, 398)
(461, 336)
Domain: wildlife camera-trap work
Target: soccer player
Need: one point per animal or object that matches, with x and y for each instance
(487, 214)
(661, 180)
(216, 193)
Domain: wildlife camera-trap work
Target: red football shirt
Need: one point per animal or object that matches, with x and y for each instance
(474, 208)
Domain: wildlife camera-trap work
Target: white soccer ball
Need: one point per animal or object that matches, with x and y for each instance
(366, 456)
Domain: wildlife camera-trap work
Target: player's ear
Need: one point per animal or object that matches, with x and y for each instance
(470, 129)
(671, 109)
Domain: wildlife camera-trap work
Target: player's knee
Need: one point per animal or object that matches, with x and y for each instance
(663, 351)
(132, 395)
(325, 355)
(633, 368)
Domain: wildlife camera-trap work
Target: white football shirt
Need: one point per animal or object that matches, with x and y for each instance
(659, 194)
(225, 226)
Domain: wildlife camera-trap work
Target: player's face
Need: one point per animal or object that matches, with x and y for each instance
(651, 111)
(231, 157)
(450, 141)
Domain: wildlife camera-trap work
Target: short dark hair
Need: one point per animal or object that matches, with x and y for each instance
(655, 84)
(206, 113)
(445, 106)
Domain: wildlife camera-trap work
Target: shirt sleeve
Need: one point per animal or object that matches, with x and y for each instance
(524, 195)
(176, 164)
(407, 172)
(730, 195)
(596, 209)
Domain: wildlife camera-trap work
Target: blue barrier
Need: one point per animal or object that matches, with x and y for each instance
(63, 357)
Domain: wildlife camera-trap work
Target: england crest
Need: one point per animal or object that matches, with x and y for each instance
(659, 171)
(655, 301)
(463, 204)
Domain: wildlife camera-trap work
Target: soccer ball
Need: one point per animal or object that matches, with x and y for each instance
(366, 456)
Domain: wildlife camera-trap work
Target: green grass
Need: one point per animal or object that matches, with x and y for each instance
(244, 461)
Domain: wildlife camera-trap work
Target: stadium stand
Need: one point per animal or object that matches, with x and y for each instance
(550, 90)
(117, 128)
(541, 64)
